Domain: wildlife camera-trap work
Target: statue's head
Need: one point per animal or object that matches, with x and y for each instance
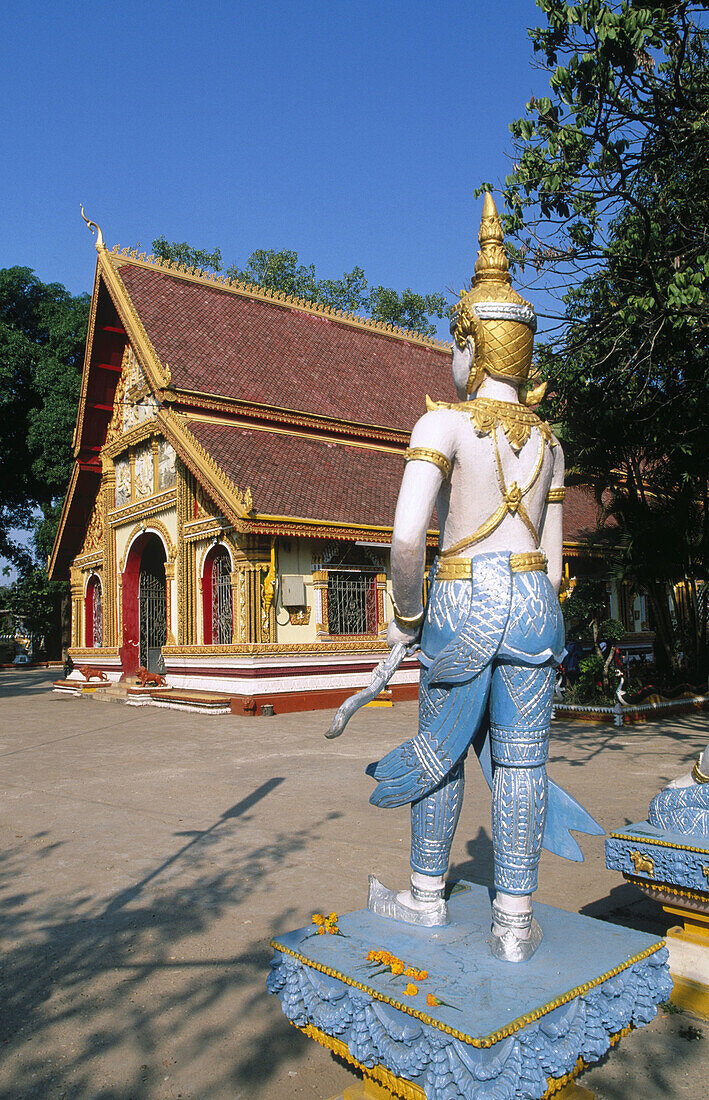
(492, 323)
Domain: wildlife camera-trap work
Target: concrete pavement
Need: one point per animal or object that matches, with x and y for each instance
(147, 857)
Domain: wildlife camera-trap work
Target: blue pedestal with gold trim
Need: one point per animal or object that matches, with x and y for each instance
(474, 1027)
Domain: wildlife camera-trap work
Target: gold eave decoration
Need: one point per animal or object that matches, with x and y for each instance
(157, 373)
(236, 504)
(487, 415)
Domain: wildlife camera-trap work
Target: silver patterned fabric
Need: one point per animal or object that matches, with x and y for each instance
(489, 648)
(682, 810)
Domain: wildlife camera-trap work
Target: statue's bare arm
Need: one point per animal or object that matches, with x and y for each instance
(419, 488)
(552, 533)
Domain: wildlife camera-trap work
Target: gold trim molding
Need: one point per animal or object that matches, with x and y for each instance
(267, 649)
(154, 527)
(485, 1041)
(145, 507)
(660, 843)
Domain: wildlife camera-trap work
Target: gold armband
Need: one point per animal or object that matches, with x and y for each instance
(697, 774)
(425, 454)
(408, 622)
(555, 496)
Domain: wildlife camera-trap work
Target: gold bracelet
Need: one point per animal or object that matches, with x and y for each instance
(697, 774)
(425, 454)
(408, 622)
(555, 496)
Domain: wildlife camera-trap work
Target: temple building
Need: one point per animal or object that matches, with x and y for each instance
(238, 456)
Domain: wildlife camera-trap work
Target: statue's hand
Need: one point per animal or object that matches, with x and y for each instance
(396, 634)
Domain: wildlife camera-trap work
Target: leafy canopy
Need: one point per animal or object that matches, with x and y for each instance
(608, 209)
(281, 271)
(42, 335)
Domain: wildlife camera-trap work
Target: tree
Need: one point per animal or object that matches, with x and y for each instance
(609, 198)
(584, 609)
(42, 336)
(281, 271)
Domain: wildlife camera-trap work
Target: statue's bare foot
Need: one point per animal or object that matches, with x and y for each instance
(405, 907)
(515, 936)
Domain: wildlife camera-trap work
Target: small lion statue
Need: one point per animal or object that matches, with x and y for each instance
(89, 672)
(150, 679)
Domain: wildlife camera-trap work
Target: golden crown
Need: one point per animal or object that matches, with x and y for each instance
(500, 321)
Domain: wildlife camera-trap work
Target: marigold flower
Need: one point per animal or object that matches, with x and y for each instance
(318, 918)
(333, 930)
(411, 990)
(321, 930)
(432, 1000)
(410, 972)
(397, 967)
(332, 918)
(421, 975)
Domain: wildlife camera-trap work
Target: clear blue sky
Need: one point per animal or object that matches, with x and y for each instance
(353, 132)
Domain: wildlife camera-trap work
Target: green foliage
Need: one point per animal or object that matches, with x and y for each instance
(42, 335)
(280, 271)
(609, 197)
(184, 254)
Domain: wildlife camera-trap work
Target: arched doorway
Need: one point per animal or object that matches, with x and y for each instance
(144, 605)
(93, 607)
(217, 611)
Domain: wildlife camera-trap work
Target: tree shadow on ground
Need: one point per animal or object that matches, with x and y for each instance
(28, 681)
(591, 740)
(96, 995)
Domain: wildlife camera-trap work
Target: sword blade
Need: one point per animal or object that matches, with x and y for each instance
(381, 676)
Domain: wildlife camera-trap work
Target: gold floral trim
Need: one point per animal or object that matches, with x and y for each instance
(398, 1086)
(666, 888)
(487, 414)
(407, 1090)
(494, 1036)
(660, 843)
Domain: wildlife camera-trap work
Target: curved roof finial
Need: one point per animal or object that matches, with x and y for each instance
(100, 246)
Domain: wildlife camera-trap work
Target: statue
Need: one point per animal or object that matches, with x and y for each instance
(683, 805)
(492, 635)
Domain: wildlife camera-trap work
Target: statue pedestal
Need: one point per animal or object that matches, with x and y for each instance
(462, 1024)
(673, 869)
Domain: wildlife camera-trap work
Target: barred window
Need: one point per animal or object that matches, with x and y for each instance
(351, 602)
(222, 618)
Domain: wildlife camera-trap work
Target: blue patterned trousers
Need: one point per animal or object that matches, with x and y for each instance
(519, 709)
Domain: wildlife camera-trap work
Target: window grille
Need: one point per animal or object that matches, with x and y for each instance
(153, 618)
(351, 603)
(222, 618)
(97, 614)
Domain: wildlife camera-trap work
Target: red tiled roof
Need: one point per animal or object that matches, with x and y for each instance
(581, 513)
(219, 342)
(316, 479)
(307, 478)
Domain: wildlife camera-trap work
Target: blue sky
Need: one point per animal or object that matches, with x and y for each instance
(353, 133)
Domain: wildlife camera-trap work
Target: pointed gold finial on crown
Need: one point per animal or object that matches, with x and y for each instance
(491, 264)
(499, 321)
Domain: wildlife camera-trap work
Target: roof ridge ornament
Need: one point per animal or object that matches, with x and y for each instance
(95, 229)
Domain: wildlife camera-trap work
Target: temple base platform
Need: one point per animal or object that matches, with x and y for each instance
(461, 1025)
(672, 869)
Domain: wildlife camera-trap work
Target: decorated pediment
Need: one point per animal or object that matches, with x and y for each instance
(93, 539)
(133, 403)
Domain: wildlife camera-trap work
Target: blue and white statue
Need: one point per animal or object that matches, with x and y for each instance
(492, 634)
(683, 805)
